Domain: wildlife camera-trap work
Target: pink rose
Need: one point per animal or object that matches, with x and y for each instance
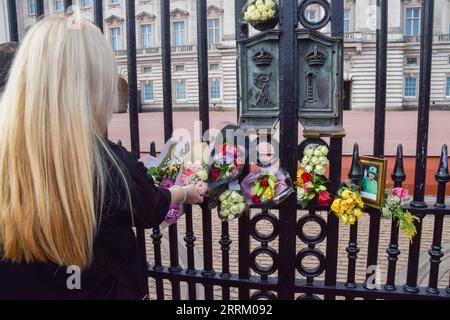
(305, 186)
(185, 180)
(400, 192)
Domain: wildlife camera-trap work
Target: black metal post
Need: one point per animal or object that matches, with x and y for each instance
(241, 31)
(168, 129)
(352, 249)
(40, 9)
(12, 21)
(288, 145)
(190, 244)
(67, 4)
(426, 52)
(156, 237)
(337, 30)
(379, 128)
(203, 94)
(133, 105)
(442, 177)
(166, 69)
(202, 52)
(98, 13)
(398, 176)
(132, 77)
(380, 81)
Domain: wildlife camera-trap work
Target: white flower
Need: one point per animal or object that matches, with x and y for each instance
(317, 153)
(319, 169)
(300, 193)
(323, 160)
(224, 212)
(309, 168)
(309, 152)
(324, 150)
(314, 160)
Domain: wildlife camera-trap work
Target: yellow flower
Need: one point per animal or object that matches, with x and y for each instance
(336, 205)
(269, 193)
(351, 219)
(344, 218)
(345, 194)
(358, 213)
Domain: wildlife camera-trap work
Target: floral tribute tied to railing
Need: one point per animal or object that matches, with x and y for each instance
(311, 180)
(393, 208)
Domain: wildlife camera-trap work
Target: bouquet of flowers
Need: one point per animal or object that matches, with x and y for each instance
(266, 186)
(194, 173)
(348, 206)
(311, 179)
(227, 164)
(232, 205)
(393, 202)
(262, 14)
(166, 174)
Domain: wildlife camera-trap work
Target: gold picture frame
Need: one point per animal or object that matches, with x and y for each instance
(374, 178)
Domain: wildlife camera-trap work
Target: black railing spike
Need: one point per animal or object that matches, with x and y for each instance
(153, 149)
(119, 142)
(398, 174)
(442, 174)
(355, 173)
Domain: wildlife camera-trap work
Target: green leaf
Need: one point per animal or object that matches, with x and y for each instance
(271, 183)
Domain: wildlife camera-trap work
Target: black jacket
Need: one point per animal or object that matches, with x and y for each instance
(115, 238)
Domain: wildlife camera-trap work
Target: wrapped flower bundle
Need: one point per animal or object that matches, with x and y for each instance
(266, 186)
(166, 174)
(194, 173)
(393, 202)
(227, 164)
(262, 14)
(348, 206)
(232, 205)
(311, 178)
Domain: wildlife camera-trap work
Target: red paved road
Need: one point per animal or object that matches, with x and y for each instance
(401, 127)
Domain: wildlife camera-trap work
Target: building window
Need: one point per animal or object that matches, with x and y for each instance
(147, 70)
(412, 21)
(179, 35)
(148, 92)
(146, 36)
(32, 7)
(347, 20)
(310, 15)
(447, 88)
(179, 68)
(411, 61)
(115, 38)
(214, 67)
(59, 5)
(214, 89)
(114, 2)
(85, 3)
(410, 86)
(213, 31)
(181, 90)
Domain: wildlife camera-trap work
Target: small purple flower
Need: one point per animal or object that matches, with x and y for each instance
(166, 183)
(173, 214)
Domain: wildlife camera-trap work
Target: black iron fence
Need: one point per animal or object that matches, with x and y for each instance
(252, 280)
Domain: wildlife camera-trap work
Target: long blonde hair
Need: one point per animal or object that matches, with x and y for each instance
(59, 98)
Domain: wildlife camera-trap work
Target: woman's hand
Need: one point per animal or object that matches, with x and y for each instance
(186, 194)
(193, 195)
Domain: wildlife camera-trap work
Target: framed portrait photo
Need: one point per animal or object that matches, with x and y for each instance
(373, 181)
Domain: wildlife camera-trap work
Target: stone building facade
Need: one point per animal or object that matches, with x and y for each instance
(360, 23)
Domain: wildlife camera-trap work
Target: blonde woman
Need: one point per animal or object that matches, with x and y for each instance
(68, 197)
